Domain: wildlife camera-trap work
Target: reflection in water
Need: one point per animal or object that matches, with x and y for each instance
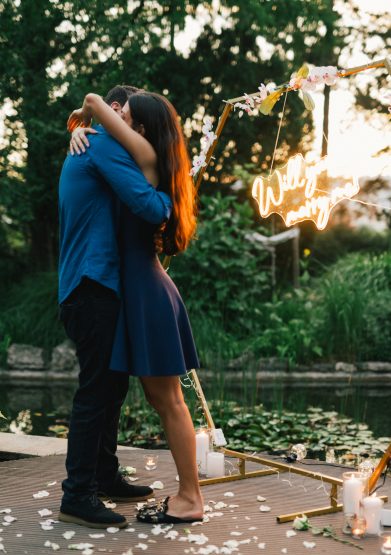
(41, 405)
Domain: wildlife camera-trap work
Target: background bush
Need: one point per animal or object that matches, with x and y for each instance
(344, 313)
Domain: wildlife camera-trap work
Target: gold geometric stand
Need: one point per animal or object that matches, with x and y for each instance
(277, 467)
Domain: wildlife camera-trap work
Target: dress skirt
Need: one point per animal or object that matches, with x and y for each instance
(153, 335)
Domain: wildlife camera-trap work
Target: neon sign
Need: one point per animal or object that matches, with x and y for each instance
(300, 192)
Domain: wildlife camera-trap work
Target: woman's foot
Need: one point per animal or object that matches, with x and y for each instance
(183, 507)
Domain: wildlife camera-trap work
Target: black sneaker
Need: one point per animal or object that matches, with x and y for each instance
(121, 490)
(91, 512)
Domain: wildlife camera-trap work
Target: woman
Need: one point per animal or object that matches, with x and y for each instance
(153, 338)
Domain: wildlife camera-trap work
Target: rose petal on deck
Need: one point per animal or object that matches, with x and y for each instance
(264, 508)
(290, 533)
(68, 535)
(309, 545)
(157, 485)
(45, 512)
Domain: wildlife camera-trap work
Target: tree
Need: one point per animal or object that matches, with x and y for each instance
(52, 52)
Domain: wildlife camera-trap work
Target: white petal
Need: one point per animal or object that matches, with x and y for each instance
(7, 511)
(142, 536)
(96, 536)
(264, 508)
(110, 504)
(9, 518)
(172, 535)
(261, 545)
(142, 546)
(290, 533)
(284, 550)
(234, 533)
(260, 498)
(112, 529)
(69, 534)
(40, 494)
(129, 529)
(229, 494)
(309, 545)
(157, 485)
(51, 483)
(45, 512)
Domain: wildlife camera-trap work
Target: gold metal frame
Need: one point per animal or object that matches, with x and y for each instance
(279, 466)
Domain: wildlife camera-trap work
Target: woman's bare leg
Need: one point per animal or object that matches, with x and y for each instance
(165, 395)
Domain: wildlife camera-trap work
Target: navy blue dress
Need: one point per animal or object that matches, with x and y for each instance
(153, 335)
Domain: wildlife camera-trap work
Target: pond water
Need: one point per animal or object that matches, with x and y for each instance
(49, 403)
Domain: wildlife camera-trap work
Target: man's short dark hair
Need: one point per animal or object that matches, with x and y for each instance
(120, 94)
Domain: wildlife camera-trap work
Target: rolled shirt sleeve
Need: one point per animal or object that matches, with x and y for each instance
(124, 176)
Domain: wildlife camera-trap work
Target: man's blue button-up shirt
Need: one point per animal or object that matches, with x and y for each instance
(90, 186)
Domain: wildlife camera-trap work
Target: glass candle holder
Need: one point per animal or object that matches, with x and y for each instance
(150, 462)
(299, 451)
(358, 527)
(355, 488)
(348, 523)
(385, 543)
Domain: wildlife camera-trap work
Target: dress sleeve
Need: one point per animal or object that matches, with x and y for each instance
(124, 176)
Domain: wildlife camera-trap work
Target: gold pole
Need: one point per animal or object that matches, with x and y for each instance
(343, 73)
(204, 403)
(379, 469)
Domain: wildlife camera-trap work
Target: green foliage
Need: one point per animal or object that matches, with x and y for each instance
(53, 52)
(355, 308)
(288, 329)
(221, 275)
(29, 313)
(258, 429)
(338, 241)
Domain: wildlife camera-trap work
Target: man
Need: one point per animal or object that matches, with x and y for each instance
(89, 289)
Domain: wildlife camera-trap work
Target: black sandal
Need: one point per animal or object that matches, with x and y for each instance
(157, 514)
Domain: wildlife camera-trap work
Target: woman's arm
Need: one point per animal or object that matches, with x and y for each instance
(141, 150)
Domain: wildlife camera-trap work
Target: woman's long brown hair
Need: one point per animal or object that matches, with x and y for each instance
(163, 131)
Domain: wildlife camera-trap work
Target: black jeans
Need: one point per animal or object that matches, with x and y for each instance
(89, 316)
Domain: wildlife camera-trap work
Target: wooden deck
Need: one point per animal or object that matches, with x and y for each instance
(237, 519)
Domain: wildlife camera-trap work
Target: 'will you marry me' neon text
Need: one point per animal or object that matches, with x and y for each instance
(299, 192)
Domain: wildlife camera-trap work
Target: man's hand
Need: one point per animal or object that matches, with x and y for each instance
(158, 238)
(78, 119)
(79, 141)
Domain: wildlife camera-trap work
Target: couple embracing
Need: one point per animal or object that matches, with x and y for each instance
(125, 191)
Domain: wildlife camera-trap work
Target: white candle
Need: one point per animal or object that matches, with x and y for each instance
(202, 449)
(352, 495)
(215, 465)
(372, 507)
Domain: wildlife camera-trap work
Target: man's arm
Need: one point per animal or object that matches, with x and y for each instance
(121, 172)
